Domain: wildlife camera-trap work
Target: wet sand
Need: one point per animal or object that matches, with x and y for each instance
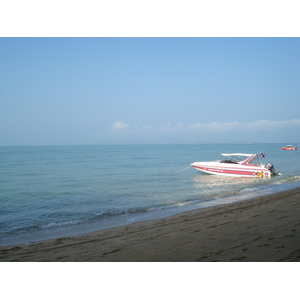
(263, 229)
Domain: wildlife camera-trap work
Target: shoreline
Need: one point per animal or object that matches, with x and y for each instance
(265, 228)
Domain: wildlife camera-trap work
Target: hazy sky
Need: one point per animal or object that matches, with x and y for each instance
(149, 90)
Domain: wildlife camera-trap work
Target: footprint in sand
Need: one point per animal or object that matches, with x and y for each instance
(264, 245)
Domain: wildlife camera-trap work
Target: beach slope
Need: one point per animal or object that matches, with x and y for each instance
(263, 229)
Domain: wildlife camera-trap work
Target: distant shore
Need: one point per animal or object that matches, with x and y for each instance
(262, 229)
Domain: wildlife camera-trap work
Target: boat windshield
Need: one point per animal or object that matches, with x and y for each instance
(235, 157)
(254, 161)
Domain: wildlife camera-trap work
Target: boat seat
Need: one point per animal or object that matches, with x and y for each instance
(229, 161)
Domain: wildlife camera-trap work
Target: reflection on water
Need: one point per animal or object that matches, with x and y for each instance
(220, 186)
(216, 180)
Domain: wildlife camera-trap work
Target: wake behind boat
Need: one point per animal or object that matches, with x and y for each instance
(238, 165)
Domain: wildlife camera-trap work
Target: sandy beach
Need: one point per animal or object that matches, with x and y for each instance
(263, 229)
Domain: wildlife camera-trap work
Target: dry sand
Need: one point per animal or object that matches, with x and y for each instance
(258, 230)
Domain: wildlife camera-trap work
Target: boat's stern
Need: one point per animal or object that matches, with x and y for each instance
(272, 170)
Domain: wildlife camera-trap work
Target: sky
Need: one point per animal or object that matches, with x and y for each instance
(135, 90)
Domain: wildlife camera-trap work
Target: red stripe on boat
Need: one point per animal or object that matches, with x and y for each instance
(215, 170)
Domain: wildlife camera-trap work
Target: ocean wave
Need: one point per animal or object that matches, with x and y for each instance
(73, 222)
(61, 224)
(34, 228)
(288, 179)
(199, 198)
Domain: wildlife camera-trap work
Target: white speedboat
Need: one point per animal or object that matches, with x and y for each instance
(238, 165)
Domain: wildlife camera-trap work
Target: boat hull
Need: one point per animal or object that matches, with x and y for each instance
(233, 170)
(288, 148)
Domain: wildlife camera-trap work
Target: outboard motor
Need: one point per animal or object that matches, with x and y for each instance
(270, 167)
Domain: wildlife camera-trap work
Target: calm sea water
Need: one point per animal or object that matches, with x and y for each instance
(56, 191)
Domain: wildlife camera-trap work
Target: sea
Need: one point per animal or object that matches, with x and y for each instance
(58, 191)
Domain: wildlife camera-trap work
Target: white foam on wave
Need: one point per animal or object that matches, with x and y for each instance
(61, 224)
(284, 180)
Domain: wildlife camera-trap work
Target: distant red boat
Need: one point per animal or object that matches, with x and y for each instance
(289, 147)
